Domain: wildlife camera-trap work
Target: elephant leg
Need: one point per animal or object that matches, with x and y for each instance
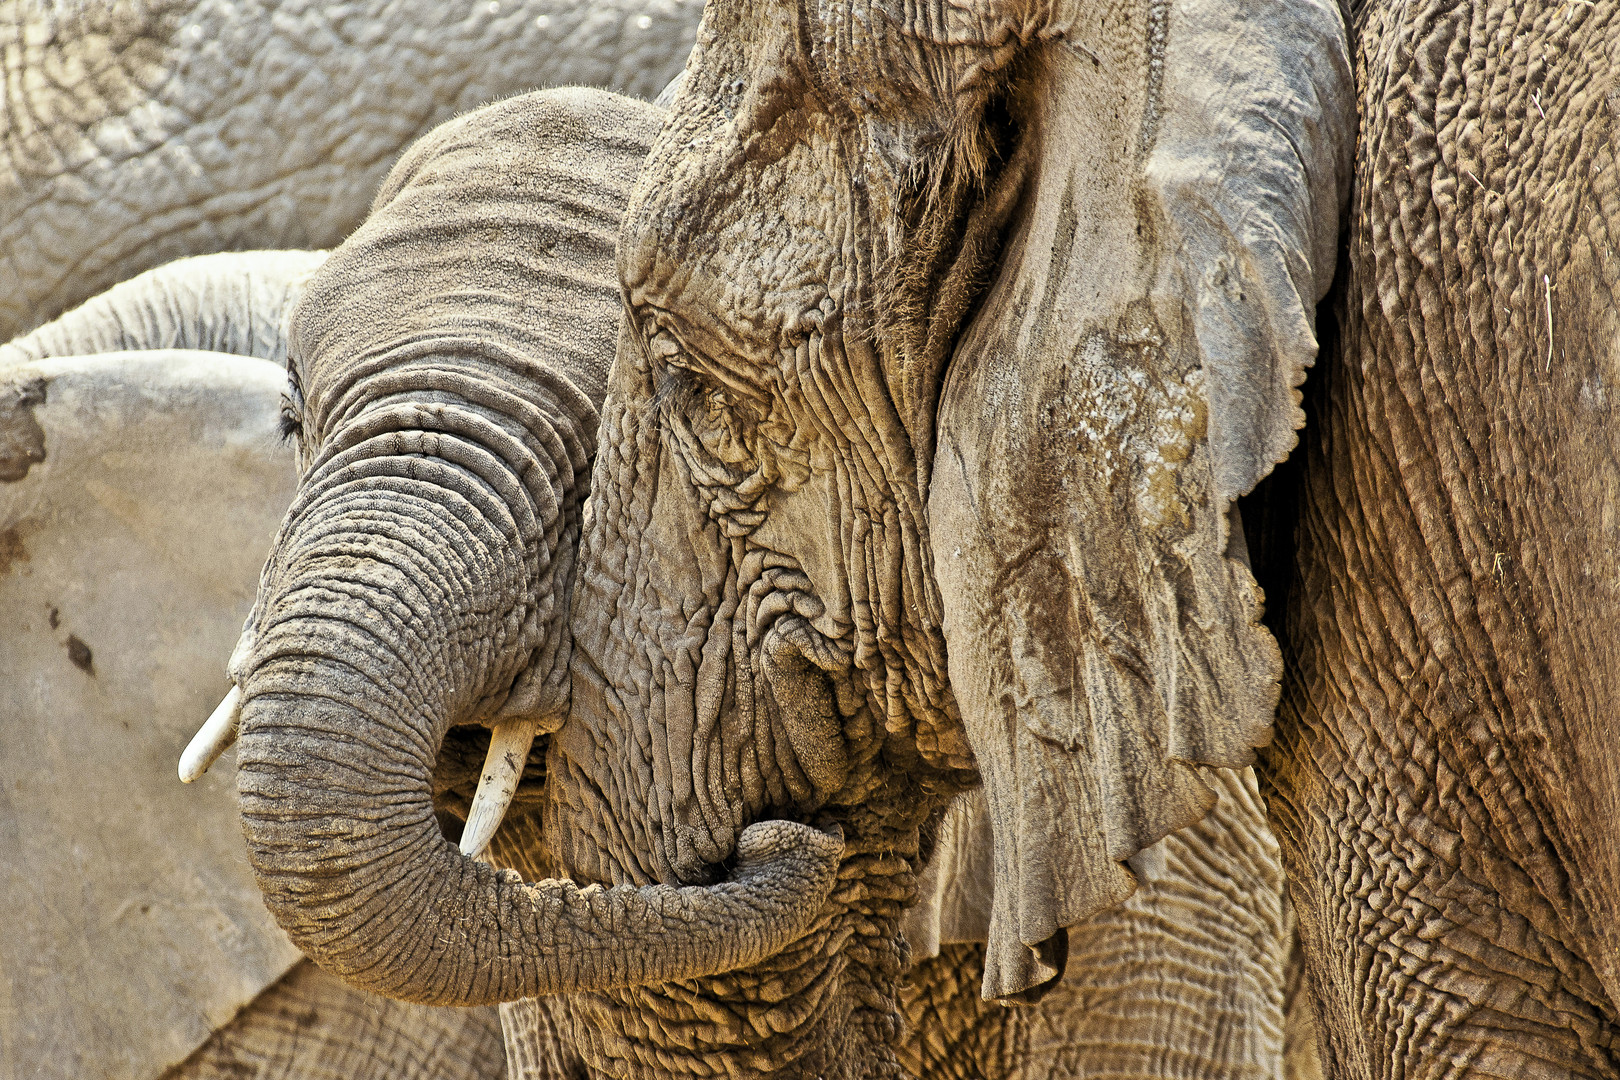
(312, 1026)
(1184, 979)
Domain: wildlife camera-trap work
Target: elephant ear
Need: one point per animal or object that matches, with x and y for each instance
(139, 492)
(1132, 369)
(955, 889)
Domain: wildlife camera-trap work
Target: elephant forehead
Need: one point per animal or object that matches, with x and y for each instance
(730, 254)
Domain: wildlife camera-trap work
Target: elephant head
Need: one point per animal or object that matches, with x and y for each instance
(444, 409)
(952, 334)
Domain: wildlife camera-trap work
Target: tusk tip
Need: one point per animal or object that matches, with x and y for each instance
(509, 744)
(213, 738)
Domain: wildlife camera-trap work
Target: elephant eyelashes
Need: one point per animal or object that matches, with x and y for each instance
(708, 422)
(290, 426)
(291, 421)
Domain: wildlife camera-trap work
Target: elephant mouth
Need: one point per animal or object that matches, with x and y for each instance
(825, 1005)
(803, 672)
(519, 842)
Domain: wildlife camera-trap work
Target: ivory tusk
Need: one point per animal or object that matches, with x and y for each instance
(217, 733)
(509, 744)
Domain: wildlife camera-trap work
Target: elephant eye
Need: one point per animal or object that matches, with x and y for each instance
(291, 423)
(721, 429)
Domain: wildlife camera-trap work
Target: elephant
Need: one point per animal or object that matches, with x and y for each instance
(136, 132)
(725, 692)
(1092, 345)
(1444, 777)
(234, 303)
(137, 946)
(1104, 1016)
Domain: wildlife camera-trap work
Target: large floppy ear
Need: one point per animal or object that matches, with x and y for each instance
(138, 494)
(1132, 369)
(955, 888)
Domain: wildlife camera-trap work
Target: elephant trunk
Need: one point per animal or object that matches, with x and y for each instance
(399, 600)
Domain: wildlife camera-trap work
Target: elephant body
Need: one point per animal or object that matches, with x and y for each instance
(139, 132)
(313, 1026)
(138, 946)
(106, 665)
(1445, 777)
(234, 303)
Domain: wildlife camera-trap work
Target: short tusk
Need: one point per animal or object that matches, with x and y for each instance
(217, 733)
(509, 744)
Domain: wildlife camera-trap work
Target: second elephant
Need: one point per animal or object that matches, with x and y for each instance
(137, 133)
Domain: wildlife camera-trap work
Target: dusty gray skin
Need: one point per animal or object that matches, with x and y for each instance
(1445, 775)
(757, 627)
(807, 605)
(312, 1026)
(233, 302)
(1085, 1024)
(127, 547)
(139, 132)
(445, 414)
(1182, 979)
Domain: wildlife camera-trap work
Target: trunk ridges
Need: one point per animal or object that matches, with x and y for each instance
(394, 600)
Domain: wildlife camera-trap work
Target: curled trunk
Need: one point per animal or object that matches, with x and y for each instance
(394, 601)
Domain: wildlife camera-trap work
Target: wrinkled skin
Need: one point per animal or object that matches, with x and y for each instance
(341, 318)
(413, 590)
(139, 131)
(758, 629)
(443, 401)
(1181, 980)
(312, 1026)
(1445, 776)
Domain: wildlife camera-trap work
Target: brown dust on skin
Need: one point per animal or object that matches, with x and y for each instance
(22, 440)
(80, 654)
(1444, 781)
(759, 544)
(11, 550)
